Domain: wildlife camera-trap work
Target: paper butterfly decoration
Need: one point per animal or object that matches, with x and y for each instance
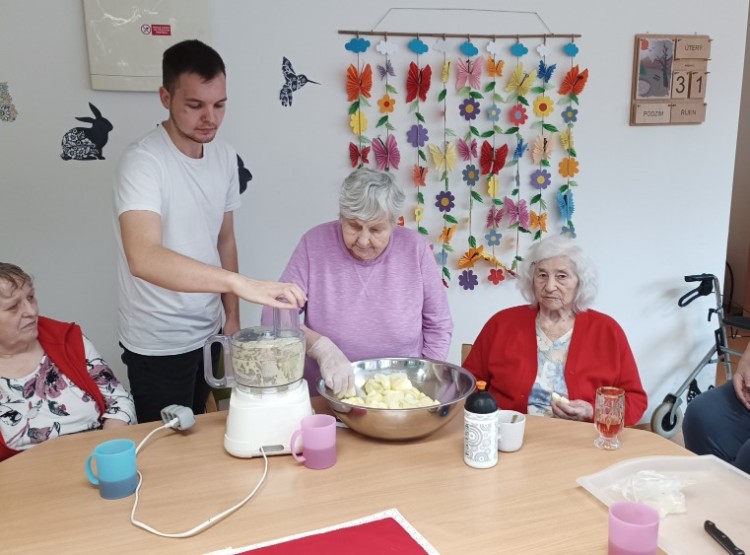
(386, 153)
(386, 70)
(355, 155)
(542, 149)
(565, 204)
(471, 257)
(492, 160)
(467, 151)
(574, 81)
(494, 216)
(521, 147)
(446, 71)
(520, 82)
(518, 213)
(419, 175)
(444, 161)
(494, 69)
(468, 71)
(358, 84)
(447, 234)
(539, 221)
(544, 72)
(418, 82)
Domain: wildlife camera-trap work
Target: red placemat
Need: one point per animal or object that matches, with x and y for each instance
(372, 538)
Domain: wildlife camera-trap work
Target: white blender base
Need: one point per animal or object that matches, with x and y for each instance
(266, 420)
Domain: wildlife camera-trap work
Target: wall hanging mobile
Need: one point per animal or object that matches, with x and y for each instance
(487, 121)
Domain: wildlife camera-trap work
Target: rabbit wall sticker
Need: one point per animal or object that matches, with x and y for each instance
(87, 143)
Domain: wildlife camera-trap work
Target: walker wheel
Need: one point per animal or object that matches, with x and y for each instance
(665, 424)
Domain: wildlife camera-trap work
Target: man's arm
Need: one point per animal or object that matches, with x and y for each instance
(227, 247)
(152, 262)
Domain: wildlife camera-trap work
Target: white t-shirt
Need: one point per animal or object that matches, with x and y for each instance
(191, 196)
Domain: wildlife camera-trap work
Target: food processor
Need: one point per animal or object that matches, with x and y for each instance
(264, 366)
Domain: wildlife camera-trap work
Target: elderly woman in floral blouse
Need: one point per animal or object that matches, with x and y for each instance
(53, 382)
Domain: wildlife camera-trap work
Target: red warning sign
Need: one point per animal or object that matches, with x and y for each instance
(161, 30)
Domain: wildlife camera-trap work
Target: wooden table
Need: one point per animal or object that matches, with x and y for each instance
(528, 503)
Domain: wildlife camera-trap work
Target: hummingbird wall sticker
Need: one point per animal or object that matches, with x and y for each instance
(293, 82)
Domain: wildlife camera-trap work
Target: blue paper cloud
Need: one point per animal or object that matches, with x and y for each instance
(468, 49)
(357, 45)
(519, 50)
(570, 49)
(418, 46)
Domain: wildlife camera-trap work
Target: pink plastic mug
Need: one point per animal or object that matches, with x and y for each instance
(633, 529)
(318, 433)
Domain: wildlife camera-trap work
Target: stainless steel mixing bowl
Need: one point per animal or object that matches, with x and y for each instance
(448, 384)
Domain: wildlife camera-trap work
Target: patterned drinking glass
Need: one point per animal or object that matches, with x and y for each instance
(609, 416)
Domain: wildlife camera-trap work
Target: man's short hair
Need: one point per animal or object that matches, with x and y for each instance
(190, 56)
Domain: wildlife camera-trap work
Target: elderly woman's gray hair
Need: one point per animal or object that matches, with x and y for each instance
(550, 247)
(14, 275)
(370, 194)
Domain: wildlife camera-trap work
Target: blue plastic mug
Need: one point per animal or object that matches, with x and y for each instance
(115, 465)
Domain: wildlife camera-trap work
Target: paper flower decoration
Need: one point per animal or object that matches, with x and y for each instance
(542, 149)
(468, 280)
(358, 122)
(468, 49)
(543, 106)
(496, 276)
(418, 213)
(493, 112)
(519, 50)
(357, 45)
(417, 136)
(570, 115)
(517, 115)
(493, 238)
(492, 183)
(541, 179)
(569, 232)
(441, 257)
(469, 109)
(387, 104)
(568, 167)
(445, 201)
(470, 175)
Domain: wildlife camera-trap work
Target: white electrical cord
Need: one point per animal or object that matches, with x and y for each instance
(211, 521)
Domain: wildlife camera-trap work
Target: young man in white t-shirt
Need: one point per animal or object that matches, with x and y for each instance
(175, 193)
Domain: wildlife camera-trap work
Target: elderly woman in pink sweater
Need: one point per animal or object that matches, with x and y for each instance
(373, 288)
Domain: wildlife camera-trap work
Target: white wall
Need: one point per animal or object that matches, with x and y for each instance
(653, 203)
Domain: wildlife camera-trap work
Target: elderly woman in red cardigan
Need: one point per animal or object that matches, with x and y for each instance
(52, 380)
(548, 357)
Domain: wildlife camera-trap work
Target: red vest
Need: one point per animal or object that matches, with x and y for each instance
(63, 344)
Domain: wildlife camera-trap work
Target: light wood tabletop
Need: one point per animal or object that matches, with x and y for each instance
(528, 503)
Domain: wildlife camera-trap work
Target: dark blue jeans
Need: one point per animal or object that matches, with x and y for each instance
(716, 423)
(159, 381)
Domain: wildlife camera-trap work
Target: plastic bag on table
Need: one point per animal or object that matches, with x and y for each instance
(660, 491)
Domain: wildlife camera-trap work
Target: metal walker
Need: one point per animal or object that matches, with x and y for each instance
(666, 419)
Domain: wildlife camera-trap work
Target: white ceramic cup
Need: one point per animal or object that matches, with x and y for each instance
(511, 426)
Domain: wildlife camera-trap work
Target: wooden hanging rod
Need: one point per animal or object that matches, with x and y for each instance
(385, 34)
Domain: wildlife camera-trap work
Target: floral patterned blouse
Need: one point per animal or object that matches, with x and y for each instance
(551, 357)
(46, 404)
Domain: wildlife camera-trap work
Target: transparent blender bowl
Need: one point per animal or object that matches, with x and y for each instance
(261, 356)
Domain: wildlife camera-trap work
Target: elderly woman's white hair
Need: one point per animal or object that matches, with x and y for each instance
(550, 247)
(370, 194)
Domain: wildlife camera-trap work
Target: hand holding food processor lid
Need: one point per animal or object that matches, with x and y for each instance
(261, 356)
